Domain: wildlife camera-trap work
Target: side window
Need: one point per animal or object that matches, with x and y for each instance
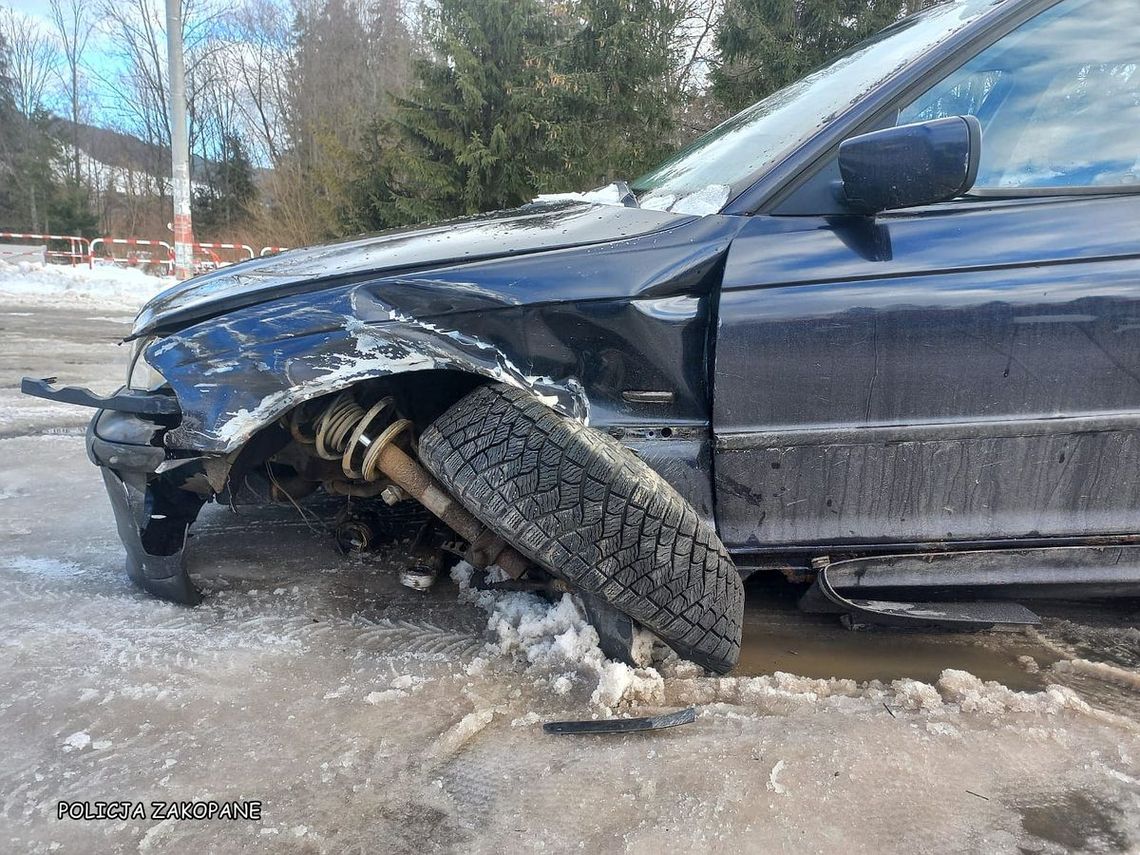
(1058, 99)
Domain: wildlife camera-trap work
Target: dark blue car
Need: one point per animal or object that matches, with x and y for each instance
(880, 330)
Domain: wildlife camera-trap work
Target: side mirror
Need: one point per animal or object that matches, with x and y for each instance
(910, 165)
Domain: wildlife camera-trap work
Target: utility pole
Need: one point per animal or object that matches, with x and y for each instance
(179, 145)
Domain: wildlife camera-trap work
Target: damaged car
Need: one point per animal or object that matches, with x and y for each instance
(879, 331)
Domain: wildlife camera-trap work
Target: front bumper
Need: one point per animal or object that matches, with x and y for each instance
(148, 404)
(155, 498)
(154, 502)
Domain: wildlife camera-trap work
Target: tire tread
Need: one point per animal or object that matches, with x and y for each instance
(593, 513)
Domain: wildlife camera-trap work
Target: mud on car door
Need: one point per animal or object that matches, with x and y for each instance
(966, 371)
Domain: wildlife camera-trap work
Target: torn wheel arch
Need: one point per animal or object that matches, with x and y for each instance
(238, 374)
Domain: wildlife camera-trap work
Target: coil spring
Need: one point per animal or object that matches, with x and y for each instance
(340, 432)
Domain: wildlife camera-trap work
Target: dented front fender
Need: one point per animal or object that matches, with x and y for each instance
(616, 335)
(237, 373)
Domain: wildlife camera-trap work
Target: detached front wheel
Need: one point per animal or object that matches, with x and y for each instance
(589, 511)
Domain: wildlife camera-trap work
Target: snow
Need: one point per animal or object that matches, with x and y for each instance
(707, 200)
(78, 740)
(662, 202)
(1100, 670)
(611, 194)
(376, 698)
(559, 647)
(465, 730)
(773, 784)
(102, 287)
(972, 694)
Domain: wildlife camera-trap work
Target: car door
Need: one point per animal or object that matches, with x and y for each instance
(963, 372)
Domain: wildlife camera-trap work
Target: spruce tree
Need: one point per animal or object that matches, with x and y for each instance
(472, 135)
(613, 110)
(224, 202)
(764, 45)
(69, 210)
(35, 182)
(516, 97)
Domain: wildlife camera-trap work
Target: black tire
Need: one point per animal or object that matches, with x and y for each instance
(591, 512)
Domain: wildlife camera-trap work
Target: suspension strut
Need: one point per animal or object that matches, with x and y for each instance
(369, 443)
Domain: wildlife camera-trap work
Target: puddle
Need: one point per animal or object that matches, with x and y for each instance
(1075, 822)
(778, 637)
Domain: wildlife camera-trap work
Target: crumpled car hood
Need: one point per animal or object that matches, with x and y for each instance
(532, 228)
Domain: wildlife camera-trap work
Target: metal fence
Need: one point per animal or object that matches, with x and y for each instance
(78, 252)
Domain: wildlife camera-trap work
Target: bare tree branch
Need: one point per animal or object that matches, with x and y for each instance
(74, 26)
(33, 56)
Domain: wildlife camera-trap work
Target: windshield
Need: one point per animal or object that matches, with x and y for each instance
(724, 160)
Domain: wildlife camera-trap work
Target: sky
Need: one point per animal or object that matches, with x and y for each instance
(39, 8)
(29, 6)
(98, 59)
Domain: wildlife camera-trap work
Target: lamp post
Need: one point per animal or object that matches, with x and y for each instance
(179, 145)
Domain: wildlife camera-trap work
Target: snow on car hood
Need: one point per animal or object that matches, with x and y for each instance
(549, 224)
(700, 203)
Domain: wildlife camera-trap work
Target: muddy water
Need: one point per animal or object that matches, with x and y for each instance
(1075, 822)
(778, 637)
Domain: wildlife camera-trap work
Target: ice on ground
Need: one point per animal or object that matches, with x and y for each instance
(773, 784)
(376, 698)
(78, 740)
(466, 729)
(104, 286)
(42, 567)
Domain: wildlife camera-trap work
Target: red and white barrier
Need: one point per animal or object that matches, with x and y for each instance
(244, 247)
(167, 262)
(81, 247)
(83, 250)
(162, 253)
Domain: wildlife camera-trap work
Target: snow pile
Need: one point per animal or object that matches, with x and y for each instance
(972, 694)
(701, 203)
(559, 646)
(560, 649)
(1100, 670)
(611, 194)
(914, 696)
(771, 694)
(786, 694)
(112, 287)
